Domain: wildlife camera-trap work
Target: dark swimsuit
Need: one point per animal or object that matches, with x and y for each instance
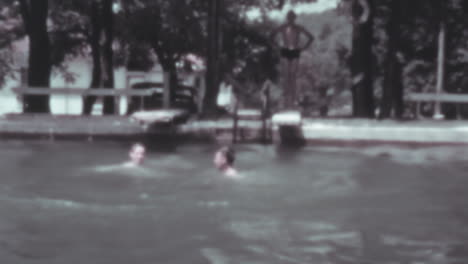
(290, 54)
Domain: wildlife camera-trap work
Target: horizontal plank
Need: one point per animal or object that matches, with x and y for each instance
(143, 74)
(85, 91)
(443, 97)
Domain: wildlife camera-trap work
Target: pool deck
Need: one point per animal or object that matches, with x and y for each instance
(342, 131)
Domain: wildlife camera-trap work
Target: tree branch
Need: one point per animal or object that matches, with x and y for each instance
(365, 11)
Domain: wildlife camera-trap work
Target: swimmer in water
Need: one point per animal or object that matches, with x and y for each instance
(224, 160)
(137, 155)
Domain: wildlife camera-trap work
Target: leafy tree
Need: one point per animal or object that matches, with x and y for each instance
(83, 28)
(246, 52)
(101, 39)
(417, 46)
(324, 75)
(69, 30)
(171, 28)
(10, 30)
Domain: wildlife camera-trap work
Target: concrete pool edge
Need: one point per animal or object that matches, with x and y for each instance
(312, 131)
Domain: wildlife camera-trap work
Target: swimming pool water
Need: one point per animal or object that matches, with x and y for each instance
(71, 202)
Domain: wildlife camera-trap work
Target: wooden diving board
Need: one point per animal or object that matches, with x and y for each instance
(287, 118)
(157, 117)
(288, 128)
(249, 114)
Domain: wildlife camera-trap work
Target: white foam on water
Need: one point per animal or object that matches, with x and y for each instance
(314, 226)
(108, 168)
(171, 161)
(144, 196)
(352, 237)
(254, 178)
(49, 203)
(406, 155)
(214, 255)
(69, 204)
(239, 176)
(266, 252)
(64, 204)
(132, 171)
(334, 182)
(401, 241)
(214, 204)
(433, 252)
(421, 156)
(320, 250)
(263, 229)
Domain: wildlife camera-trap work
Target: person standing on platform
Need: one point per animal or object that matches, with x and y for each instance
(290, 51)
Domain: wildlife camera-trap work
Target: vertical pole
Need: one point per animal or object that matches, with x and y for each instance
(167, 90)
(116, 101)
(440, 67)
(66, 99)
(24, 84)
(212, 71)
(201, 92)
(235, 122)
(127, 88)
(265, 109)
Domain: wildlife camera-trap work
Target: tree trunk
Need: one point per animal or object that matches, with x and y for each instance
(362, 60)
(102, 54)
(392, 98)
(107, 56)
(168, 65)
(170, 68)
(34, 15)
(212, 70)
(96, 29)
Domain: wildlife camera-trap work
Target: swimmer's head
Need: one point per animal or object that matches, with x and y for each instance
(291, 16)
(224, 158)
(137, 153)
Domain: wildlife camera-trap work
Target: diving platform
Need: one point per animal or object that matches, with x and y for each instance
(287, 127)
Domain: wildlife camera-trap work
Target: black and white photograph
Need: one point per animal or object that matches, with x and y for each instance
(233, 131)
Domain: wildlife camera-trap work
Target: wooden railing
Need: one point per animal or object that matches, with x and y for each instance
(100, 92)
(161, 88)
(418, 98)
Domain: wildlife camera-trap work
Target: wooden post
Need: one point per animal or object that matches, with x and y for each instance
(167, 90)
(265, 111)
(201, 92)
(67, 102)
(235, 122)
(213, 46)
(418, 110)
(24, 83)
